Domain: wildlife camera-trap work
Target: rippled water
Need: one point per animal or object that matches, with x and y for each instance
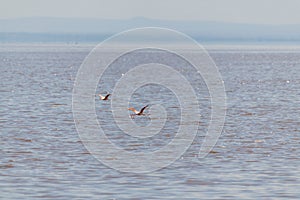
(257, 155)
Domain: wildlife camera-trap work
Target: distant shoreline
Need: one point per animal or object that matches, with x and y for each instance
(73, 30)
(94, 38)
(209, 47)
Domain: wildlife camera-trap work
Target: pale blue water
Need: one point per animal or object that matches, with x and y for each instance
(256, 157)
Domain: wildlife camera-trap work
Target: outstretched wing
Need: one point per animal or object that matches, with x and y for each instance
(142, 110)
(106, 97)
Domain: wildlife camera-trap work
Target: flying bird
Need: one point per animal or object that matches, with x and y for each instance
(104, 98)
(141, 112)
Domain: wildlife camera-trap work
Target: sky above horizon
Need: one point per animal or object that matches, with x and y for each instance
(236, 11)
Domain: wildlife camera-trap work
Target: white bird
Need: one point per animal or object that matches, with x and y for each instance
(104, 98)
(141, 112)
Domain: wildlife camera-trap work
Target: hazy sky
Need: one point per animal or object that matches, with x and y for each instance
(245, 11)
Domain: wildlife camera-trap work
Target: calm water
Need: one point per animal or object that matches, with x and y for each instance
(256, 157)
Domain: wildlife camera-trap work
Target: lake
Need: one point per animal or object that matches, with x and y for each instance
(256, 156)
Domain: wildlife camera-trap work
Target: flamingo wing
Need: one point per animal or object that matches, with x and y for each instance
(142, 110)
(106, 97)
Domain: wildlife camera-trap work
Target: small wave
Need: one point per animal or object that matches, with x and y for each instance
(24, 140)
(6, 166)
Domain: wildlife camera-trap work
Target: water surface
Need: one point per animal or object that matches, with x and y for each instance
(256, 157)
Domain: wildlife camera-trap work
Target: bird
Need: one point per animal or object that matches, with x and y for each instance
(141, 112)
(104, 98)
